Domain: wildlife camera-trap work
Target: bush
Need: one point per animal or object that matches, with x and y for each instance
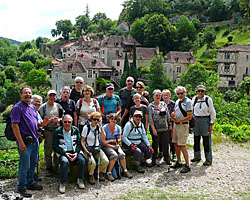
(226, 33)
(230, 38)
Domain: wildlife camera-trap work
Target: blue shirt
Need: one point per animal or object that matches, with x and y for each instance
(68, 140)
(109, 135)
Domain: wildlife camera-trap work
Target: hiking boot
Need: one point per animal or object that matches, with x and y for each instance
(80, 183)
(176, 165)
(24, 193)
(101, 177)
(35, 186)
(195, 160)
(127, 174)
(110, 177)
(91, 179)
(62, 188)
(185, 169)
(207, 163)
(139, 169)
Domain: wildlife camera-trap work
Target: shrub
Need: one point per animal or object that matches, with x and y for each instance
(230, 38)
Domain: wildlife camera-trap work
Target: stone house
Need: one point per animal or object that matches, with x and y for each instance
(176, 62)
(68, 49)
(233, 64)
(80, 64)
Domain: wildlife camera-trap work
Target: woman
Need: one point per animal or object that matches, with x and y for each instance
(138, 106)
(144, 98)
(86, 106)
(135, 140)
(92, 134)
(111, 146)
(166, 94)
(76, 92)
(158, 120)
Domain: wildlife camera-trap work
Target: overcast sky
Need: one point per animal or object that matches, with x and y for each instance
(24, 20)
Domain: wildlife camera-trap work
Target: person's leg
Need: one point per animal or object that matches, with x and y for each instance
(81, 166)
(164, 138)
(178, 152)
(172, 149)
(155, 145)
(122, 159)
(207, 147)
(104, 162)
(185, 154)
(33, 162)
(64, 168)
(91, 165)
(48, 148)
(112, 155)
(197, 150)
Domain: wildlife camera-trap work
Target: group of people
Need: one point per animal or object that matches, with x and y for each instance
(85, 131)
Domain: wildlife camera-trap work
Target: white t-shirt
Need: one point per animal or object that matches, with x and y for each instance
(91, 136)
(86, 109)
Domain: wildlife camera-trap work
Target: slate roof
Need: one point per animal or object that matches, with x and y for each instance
(179, 57)
(118, 41)
(236, 48)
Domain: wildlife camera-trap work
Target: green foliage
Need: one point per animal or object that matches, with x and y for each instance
(10, 73)
(2, 78)
(245, 8)
(245, 85)
(31, 54)
(219, 10)
(82, 24)
(11, 94)
(137, 29)
(25, 68)
(209, 35)
(97, 17)
(126, 71)
(41, 40)
(133, 69)
(101, 84)
(7, 52)
(185, 28)
(64, 28)
(41, 63)
(36, 78)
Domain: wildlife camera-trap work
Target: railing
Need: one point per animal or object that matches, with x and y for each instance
(116, 80)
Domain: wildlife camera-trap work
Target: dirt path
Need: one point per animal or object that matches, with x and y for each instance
(228, 178)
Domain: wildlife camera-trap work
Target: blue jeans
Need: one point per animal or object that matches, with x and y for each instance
(27, 165)
(64, 168)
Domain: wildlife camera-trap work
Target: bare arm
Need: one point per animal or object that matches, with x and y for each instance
(75, 118)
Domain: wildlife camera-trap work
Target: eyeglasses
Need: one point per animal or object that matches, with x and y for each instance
(138, 116)
(200, 90)
(139, 87)
(67, 122)
(158, 95)
(180, 93)
(130, 81)
(79, 82)
(98, 120)
(110, 88)
(112, 119)
(86, 91)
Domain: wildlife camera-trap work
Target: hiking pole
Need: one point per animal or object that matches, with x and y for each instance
(118, 161)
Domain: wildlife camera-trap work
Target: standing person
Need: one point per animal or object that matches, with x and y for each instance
(181, 127)
(159, 119)
(205, 115)
(68, 104)
(125, 95)
(67, 145)
(109, 103)
(76, 92)
(134, 139)
(25, 123)
(54, 112)
(86, 105)
(111, 146)
(92, 135)
(166, 94)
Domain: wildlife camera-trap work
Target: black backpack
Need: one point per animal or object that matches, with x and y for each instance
(8, 131)
(192, 121)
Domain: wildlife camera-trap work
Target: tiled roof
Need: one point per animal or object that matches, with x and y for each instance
(179, 57)
(236, 48)
(142, 53)
(71, 66)
(118, 41)
(68, 44)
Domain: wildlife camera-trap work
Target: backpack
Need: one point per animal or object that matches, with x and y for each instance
(96, 134)
(80, 105)
(59, 108)
(196, 99)
(8, 131)
(102, 100)
(192, 121)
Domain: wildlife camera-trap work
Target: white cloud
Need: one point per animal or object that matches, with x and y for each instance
(24, 20)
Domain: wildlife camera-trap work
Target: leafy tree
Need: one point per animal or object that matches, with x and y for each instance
(7, 51)
(36, 78)
(97, 17)
(82, 24)
(12, 94)
(10, 73)
(157, 77)
(197, 24)
(209, 36)
(41, 40)
(245, 8)
(185, 28)
(105, 25)
(133, 69)
(12, 62)
(40, 63)
(64, 28)
(126, 71)
(219, 10)
(31, 54)
(25, 68)
(245, 85)
(2, 78)
(137, 29)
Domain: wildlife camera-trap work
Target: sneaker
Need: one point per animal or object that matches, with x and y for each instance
(101, 177)
(62, 188)
(195, 160)
(139, 169)
(207, 163)
(80, 183)
(91, 179)
(127, 174)
(24, 193)
(110, 177)
(35, 186)
(176, 165)
(185, 169)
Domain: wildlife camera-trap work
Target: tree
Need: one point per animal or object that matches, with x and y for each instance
(10, 73)
(36, 78)
(133, 69)
(157, 77)
(25, 68)
(41, 63)
(137, 29)
(82, 24)
(64, 28)
(12, 94)
(245, 85)
(2, 78)
(209, 36)
(185, 28)
(87, 12)
(7, 51)
(105, 25)
(41, 40)
(97, 17)
(219, 10)
(126, 71)
(245, 8)
(31, 54)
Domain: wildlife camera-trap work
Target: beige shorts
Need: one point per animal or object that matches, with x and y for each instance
(180, 134)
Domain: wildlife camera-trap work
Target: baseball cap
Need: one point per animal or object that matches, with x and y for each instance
(201, 87)
(137, 112)
(51, 92)
(110, 85)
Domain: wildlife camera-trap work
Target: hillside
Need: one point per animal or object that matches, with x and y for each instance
(12, 41)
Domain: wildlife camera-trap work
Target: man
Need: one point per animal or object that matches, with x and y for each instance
(54, 112)
(68, 104)
(109, 103)
(181, 116)
(125, 95)
(24, 120)
(76, 92)
(67, 145)
(205, 115)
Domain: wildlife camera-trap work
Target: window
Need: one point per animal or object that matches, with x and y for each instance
(117, 52)
(89, 73)
(118, 64)
(178, 70)
(64, 50)
(247, 58)
(103, 52)
(73, 75)
(93, 85)
(231, 83)
(120, 72)
(227, 55)
(247, 70)
(227, 68)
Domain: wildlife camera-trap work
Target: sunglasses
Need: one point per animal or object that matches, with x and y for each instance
(67, 122)
(200, 90)
(130, 81)
(138, 116)
(180, 93)
(139, 87)
(158, 95)
(98, 120)
(112, 119)
(78, 82)
(110, 88)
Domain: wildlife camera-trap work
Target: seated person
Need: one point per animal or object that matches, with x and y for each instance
(111, 146)
(135, 139)
(92, 134)
(67, 146)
